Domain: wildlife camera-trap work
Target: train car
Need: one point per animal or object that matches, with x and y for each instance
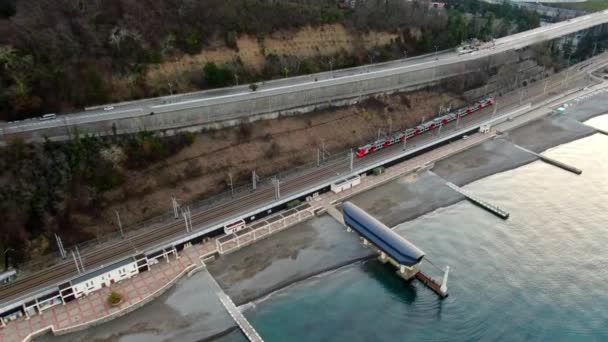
(379, 144)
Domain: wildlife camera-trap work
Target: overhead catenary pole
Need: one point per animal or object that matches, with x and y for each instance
(435, 64)
(404, 143)
(76, 262)
(565, 84)
(60, 245)
(80, 259)
(119, 224)
(352, 160)
(277, 188)
(318, 157)
(231, 184)
(175, 207)
(254, 179)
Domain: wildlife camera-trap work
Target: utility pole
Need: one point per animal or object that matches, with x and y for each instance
(440, 126)
(254, 179)
(457, 120)
(352, 159)
(119, 224)
(60, 245)
(175, 207)
(495, 108)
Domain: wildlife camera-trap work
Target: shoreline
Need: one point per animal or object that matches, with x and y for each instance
(510, 165)
(421, 182)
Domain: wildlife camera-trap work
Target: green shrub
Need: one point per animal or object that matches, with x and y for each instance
(114, 298)
(293, 204)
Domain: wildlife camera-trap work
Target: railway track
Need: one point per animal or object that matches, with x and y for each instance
(148, 238)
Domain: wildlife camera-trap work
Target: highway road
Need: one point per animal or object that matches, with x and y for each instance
(169, 104)
(246, 202)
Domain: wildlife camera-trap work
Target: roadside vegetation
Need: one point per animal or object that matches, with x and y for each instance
(44, 186)
(61, 55)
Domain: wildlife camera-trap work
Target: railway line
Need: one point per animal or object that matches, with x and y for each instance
(144, 239)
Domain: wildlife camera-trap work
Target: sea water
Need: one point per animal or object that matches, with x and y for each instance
(540, 275)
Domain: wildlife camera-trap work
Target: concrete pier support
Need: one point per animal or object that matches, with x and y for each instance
(444, 282)
(2, 323)
(407, 273)
(383, 258)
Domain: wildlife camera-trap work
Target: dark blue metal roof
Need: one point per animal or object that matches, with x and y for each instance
(395, 246)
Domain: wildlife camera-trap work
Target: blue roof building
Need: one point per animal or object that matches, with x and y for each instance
(391, 243)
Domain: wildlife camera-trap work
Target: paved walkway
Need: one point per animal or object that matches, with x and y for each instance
(93, 309)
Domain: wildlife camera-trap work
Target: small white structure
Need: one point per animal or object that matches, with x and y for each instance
(234, 227)
(485, 128)
(7, 276)
(346, 184)
(104, 277)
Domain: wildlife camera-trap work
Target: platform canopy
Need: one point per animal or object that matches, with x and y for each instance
(376, 232)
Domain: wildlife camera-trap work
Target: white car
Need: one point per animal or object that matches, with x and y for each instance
(108, 108)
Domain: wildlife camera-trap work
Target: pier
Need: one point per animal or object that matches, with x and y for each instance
(601, 131)
(335, 213)
(479, 202)
(238, 317)
(440, 289)
(554, 162)
(391, 247)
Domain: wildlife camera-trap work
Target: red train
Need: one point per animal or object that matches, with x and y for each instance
(427, 126)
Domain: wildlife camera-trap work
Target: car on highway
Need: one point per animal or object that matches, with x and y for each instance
(49, 116)
(108, 108)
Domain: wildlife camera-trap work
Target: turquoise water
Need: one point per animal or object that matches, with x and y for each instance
(542, 275)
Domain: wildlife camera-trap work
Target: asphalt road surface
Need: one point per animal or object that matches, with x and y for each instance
(288, 85)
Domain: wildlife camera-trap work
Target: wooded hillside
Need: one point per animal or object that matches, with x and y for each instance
(60, 55)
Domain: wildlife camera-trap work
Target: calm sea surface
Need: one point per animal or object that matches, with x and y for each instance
(542, 275)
